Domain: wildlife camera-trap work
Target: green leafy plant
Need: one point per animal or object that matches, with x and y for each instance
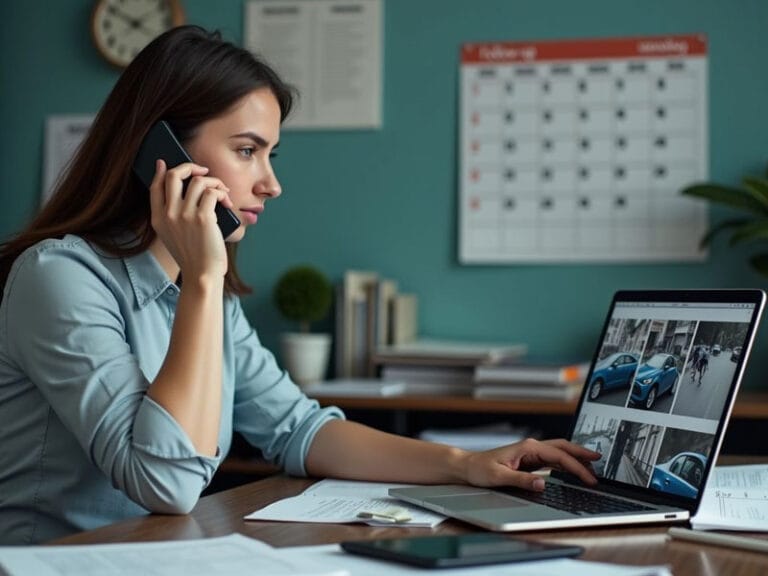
(752, 199)
(303, 294)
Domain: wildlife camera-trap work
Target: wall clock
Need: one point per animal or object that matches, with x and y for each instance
(121, 28)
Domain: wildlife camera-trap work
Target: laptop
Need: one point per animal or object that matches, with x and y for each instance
(655, 404)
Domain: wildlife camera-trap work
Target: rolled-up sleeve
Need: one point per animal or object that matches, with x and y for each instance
(270, 411)
(69, 338)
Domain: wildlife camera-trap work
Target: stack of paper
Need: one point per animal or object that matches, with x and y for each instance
(339, 502)
(237, 554)
(233, 554)
(736, 498)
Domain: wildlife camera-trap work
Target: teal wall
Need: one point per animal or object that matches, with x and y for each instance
(386, 199)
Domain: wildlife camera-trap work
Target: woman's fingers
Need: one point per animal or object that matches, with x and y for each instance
(209, 198)
(198, 189)
(524, 480)
(575, 450)
(562, 458)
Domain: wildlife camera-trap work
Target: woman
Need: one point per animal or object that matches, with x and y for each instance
(125, 358)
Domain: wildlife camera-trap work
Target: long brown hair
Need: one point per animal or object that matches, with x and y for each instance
(185, 76)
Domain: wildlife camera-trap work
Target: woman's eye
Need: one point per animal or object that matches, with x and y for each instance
(246, 152)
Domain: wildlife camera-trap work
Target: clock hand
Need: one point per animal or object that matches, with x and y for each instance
(134, 23)
(149, 13)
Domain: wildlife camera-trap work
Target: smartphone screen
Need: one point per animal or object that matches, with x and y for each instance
(161, 143)
(459, 550)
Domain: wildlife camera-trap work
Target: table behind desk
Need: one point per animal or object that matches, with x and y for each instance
(222, 513)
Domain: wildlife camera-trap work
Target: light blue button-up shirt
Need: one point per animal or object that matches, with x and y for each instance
(82, 335)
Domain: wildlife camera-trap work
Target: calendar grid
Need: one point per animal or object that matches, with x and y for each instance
(581, 159)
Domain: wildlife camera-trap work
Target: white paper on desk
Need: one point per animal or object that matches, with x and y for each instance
(736, 498)
(333, 556)
(339, 501)
(226, 555)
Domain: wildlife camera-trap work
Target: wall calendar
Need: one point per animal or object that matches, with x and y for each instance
(576, 150)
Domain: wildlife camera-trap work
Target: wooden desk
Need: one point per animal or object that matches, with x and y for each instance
(223, 513)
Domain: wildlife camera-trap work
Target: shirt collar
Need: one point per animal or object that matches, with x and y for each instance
(147, 277)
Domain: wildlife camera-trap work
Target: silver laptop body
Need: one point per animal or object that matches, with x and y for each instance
(656, 403)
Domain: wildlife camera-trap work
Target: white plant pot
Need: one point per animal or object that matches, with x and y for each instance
(305, 356)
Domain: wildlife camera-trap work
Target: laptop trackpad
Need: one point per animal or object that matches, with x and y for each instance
(476, 501)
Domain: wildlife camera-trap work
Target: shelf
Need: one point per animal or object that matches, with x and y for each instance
(749, 405)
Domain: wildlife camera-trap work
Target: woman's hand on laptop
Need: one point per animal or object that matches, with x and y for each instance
(512, 465)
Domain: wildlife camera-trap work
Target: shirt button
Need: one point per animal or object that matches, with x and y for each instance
(169, 291)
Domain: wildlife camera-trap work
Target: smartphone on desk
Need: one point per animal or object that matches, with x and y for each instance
(455, 550)
(161, 143)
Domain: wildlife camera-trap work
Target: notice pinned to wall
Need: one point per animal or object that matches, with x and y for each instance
(576, 150)
(330, 50)
(63, 135)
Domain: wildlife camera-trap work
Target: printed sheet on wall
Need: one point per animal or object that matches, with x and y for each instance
(576, 150)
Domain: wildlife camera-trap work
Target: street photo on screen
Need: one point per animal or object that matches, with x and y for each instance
(709, 369)
(596, 432)
(661, 364)
(633, 452)
(614, 371)
(681, 462)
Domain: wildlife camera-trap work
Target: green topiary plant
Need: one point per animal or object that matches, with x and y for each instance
(751, 198)
(303, 294)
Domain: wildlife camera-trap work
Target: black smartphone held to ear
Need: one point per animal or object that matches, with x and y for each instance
(162, 143)
(457, 550)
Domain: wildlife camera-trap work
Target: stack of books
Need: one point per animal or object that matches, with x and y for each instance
(530, 379)
(377, 333)
(370, 312)
(440, 366)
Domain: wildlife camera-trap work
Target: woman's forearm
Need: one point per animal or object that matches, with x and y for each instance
(188, 384)
(344, 449)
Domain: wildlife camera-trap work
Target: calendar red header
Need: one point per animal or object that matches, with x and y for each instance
(602, 48)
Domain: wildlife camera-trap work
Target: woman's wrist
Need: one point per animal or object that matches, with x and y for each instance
(204, 283)
(458, 463)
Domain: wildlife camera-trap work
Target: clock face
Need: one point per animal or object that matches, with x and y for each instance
(121, 28)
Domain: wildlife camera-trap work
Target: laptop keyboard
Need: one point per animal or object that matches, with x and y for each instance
(570, 499)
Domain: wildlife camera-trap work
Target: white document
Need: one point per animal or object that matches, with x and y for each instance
(63, 135)
(233, 554)
(338, 502)
(333, 556)
(736, 498)
(331, 50)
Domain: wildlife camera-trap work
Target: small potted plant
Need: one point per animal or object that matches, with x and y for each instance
(752, 199)
(303, 294)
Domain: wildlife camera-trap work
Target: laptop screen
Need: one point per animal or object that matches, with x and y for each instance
(661, 385)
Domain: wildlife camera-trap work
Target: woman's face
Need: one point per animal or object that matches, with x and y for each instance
(237, 148)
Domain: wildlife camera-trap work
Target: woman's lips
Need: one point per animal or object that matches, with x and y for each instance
(251, 215)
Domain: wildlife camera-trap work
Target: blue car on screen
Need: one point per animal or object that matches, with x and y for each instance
(682, 475)
(656, 377)
(613, 371)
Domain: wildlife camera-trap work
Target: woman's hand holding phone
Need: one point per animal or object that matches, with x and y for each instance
(183, 200)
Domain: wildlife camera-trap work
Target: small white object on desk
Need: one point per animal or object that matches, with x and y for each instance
(393, 515)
